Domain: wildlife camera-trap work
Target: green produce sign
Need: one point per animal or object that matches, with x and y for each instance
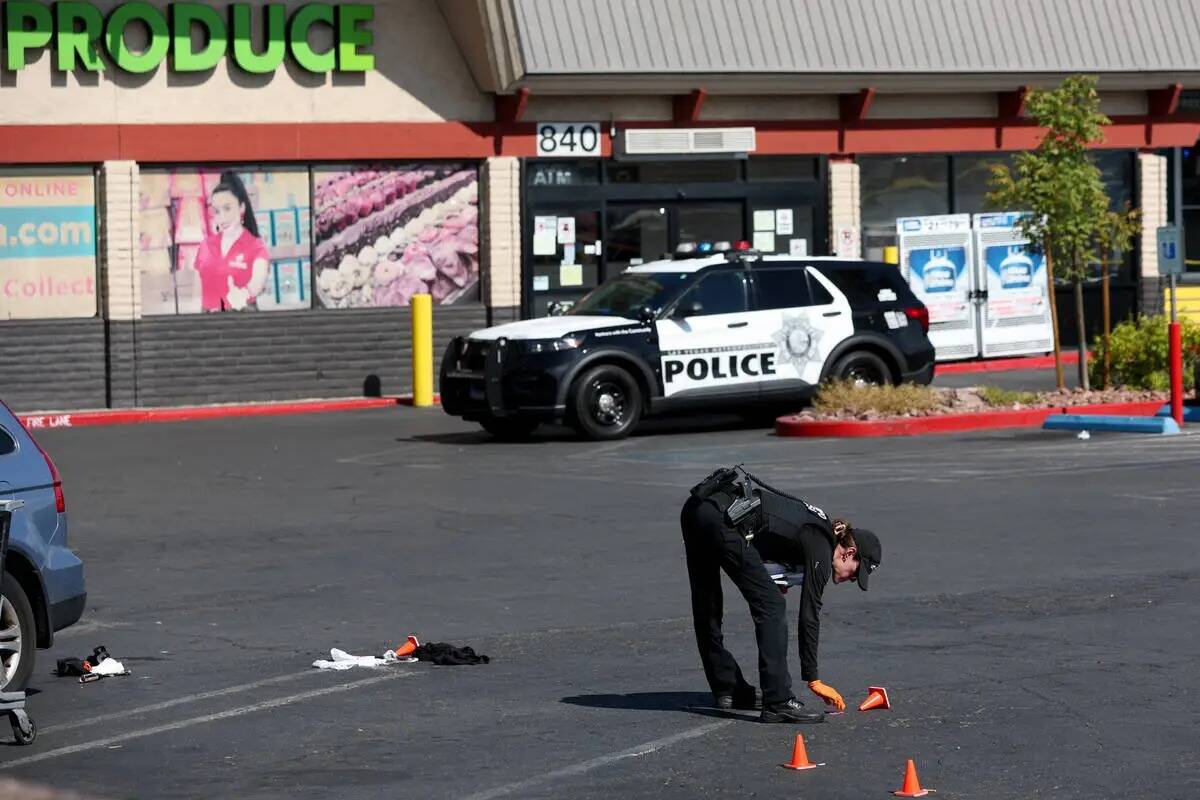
(78, 34)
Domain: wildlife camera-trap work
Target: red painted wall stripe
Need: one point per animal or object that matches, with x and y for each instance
(32, 144)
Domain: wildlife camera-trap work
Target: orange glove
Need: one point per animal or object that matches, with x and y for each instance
(828, 694)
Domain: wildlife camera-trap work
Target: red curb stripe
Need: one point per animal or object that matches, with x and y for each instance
(1005, 364)
(952, 423)
(134, 416)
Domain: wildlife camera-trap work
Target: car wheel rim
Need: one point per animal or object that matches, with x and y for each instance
(862, 375)
(608, 403)
(10, 641)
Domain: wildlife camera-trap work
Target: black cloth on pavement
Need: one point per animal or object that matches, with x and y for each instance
(448, 655)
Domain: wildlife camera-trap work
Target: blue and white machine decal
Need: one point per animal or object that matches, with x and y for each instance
(939, 279)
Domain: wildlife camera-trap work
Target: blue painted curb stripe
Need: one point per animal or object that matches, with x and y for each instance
(1098, 422)
(1190, 413)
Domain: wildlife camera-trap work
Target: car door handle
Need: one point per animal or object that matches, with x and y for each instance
(832, 314)
(738, 324)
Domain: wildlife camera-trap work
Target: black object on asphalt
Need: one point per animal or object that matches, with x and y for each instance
(448, 655)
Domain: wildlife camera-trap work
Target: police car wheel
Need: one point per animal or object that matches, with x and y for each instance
(606, 403)
(863, 369)
(509, 429)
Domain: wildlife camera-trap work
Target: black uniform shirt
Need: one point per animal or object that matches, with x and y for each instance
(795, 532)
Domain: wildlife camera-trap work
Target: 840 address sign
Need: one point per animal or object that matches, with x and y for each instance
(568, 139)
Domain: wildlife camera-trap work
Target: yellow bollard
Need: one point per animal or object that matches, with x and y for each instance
(891, 254)
(422, 349)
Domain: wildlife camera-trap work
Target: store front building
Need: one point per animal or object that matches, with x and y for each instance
(622, 213)
(244, 221)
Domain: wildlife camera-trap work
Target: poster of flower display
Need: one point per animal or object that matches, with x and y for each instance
(387, 232)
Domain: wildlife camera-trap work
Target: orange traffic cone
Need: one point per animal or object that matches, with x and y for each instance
(800, 756)
(912, 786)
(876, 698)
(408, 648)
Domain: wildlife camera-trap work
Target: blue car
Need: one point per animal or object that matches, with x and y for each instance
(42, 590)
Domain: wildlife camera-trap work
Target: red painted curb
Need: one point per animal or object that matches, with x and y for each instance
(1005, 364)
(133, 416)
(952, 423)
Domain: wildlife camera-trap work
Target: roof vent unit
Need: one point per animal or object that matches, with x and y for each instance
(686, 141)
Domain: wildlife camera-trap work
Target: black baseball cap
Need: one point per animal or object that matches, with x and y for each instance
(870, 553)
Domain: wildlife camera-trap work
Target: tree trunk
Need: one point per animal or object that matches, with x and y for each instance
(1082, 331)
(1058, 370)
(1107, 325)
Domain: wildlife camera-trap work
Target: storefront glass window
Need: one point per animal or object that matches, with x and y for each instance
(903, 186)
(972, 175)
(787, 231)
(766, 168)
(716, 171)
(1191, 238)
(710, 222)
(385, 232)
(1191, 205)
(636, 234)
(566, 256)
(47, 243)
(225, 239)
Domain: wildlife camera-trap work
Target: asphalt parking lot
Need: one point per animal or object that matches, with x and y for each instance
(1033, 620)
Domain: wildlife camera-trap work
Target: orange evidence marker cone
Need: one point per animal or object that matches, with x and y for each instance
(800, 756)
(912, 786)
(876, 698)
(408, 648)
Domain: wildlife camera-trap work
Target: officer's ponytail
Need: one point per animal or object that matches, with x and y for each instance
(843, 532)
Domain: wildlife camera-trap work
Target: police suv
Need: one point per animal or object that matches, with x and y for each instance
(706, 329)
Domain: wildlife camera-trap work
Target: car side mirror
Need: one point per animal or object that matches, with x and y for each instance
(692, 309)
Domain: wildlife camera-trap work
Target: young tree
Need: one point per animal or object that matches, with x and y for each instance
(1068, 219)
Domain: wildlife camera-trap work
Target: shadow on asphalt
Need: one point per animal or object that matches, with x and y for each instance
(658, 426)
(698, 703)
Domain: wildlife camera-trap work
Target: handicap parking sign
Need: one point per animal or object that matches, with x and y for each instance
(1170, 260)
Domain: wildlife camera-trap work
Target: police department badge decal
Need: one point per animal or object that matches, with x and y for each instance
(797, 340)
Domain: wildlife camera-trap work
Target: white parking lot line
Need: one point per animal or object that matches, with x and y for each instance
(178, 701)
(587, 766)
(98, 744)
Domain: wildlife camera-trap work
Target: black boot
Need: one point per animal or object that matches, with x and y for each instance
(744, 698)
(790, 711)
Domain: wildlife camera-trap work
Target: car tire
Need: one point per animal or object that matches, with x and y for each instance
(509, 430)
(606, 403)
(863, 368)
(17, 631)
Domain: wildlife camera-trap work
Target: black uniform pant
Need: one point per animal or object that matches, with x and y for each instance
(711, 546)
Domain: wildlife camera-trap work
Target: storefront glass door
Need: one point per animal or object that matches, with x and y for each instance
(639, 232)
(565, 257)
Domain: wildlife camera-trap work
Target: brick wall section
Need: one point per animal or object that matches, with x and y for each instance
(282, 355)
(1152, 192)
(500, 234)
(845, 198)
(120, 276)
(118, 240)
(52, 364)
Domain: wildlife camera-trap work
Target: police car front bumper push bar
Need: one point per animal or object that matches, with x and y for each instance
(13, 703)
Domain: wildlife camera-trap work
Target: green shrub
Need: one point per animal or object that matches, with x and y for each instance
(996, 396)
(1139, 354)
(835, 396)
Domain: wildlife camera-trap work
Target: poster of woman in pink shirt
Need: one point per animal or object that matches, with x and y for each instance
(233, 261)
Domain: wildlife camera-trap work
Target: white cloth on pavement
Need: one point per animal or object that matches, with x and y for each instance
(340, 659)
(109, 667)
